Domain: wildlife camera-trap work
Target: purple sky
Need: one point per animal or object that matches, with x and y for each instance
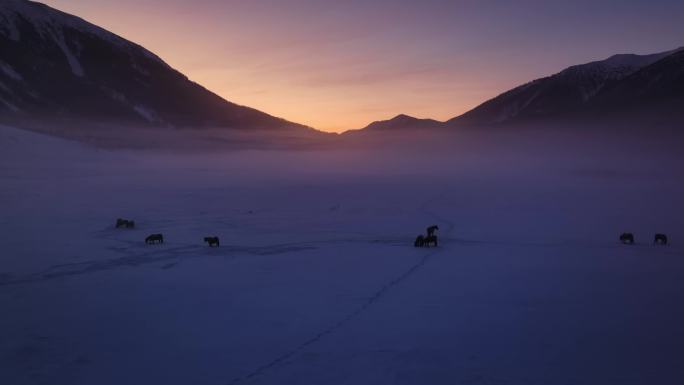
(338, 65)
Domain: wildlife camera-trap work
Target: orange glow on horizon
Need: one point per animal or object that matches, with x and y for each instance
(337, 66)
(301, 76)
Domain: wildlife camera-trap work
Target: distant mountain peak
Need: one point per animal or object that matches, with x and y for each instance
(401, 122)
(614, 67)
(403, 117)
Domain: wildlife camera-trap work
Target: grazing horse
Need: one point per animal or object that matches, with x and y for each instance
(125, 223)
(627, 238)
(431, 239)
(154, 238)
(431, 230)
(212, 241)
(420, 241)
(660, 239)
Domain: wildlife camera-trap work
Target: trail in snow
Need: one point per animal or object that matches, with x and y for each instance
(374, 298)
(162, 254)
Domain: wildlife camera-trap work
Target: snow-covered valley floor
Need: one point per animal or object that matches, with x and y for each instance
(317, 281)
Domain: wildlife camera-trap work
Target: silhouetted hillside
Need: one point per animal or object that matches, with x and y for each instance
(620, 84)
(58, 66)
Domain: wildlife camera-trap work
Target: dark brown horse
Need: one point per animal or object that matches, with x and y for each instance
(660, 239)
(431, 240)
(154, 238)
(423, 241)
(627, 238)
(125, 223)
(212, 241)
(431, 230)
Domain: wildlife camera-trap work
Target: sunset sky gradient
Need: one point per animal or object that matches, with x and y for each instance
(338, 65)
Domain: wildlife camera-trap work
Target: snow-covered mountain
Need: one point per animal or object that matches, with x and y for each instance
(658, 87)
(583, 89)
(624, 85)
(57, 66)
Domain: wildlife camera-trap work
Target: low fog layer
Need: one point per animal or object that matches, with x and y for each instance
(317, 279)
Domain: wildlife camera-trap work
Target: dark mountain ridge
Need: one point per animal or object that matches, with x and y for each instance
(55, 66)
(400, 122)
(56, 69)
(624, 86)
(600, 88)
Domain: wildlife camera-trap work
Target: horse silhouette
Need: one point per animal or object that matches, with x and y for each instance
(212, 241)
(431, 230)
(660, 239)
(125, 223)
(154, 238)
(425, 241)
(431, 239)
(627, 238)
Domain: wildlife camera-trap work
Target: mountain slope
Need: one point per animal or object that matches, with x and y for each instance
(57, 66)
(658, 86)
(399, 122)
(575, 90)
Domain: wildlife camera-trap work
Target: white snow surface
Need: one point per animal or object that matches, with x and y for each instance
(317, 281)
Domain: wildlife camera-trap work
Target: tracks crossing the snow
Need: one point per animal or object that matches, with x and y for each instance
(367, 304)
